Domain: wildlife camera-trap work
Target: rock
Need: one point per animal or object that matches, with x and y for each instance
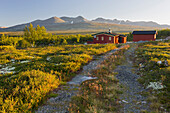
(120, 102)
(143, 102)
(155, 85)
(12, 68)
(77, 80)
(137, 102)
(141, 65)
(25, 61)
(165, 63)
(125, 101)
(7, 70)
(48, 58)
(12, 60)
(58, 64)
(159, 62)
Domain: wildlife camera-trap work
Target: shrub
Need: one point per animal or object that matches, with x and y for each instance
(23, 92)
(24, 44)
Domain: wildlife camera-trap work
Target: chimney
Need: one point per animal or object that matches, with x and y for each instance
(110, 31)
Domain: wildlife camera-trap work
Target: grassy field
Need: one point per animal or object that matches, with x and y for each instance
(30, 74)
(153, 60)
(66, 32)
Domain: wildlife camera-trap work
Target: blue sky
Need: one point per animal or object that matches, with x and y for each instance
(14, 12)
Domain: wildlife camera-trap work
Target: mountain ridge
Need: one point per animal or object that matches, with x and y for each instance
(127, 22)
(79, 22)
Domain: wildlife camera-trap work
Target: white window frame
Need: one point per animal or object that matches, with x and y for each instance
(110, 38)
(97, 38)
(102, 38)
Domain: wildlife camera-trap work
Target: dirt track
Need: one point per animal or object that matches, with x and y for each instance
(131, 99)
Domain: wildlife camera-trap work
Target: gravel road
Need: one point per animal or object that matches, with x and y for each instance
(131, 99)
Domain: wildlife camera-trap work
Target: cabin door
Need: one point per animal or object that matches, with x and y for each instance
(120, 39)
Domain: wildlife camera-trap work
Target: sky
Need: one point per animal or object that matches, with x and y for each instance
(13, 12)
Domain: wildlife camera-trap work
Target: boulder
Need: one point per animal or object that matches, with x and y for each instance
(165, 63)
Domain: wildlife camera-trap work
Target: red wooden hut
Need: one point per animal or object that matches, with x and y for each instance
(107, 37)
(144, 35)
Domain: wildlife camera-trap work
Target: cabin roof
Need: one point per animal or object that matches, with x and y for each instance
(144, 32)
(105, 33)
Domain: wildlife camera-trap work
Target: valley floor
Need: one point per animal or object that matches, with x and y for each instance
(132, 99)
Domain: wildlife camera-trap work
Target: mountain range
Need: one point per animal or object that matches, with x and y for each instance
(74, 23)
(127, 22)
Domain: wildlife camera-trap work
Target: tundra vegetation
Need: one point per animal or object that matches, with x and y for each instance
(30, 68)
(34, 64)
(153, 60)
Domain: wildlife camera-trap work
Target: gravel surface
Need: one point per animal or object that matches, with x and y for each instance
(60, 104)
(131, 99)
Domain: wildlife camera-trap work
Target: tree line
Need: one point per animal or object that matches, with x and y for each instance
(163, 33)
(38, 36)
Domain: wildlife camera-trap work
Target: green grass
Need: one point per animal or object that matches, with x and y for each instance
(52, 95)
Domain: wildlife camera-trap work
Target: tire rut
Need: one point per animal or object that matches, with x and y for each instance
(132, 100)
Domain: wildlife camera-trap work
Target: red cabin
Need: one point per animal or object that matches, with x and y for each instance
(107, 37)
(144, 35)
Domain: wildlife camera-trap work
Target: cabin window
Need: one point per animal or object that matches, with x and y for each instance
(110, 38)
(102, 38)
(94, 36)
(97, 38)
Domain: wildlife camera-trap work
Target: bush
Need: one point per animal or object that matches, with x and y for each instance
(24, 44)
(25, 91)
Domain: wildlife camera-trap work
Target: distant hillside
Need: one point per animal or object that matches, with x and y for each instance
(47, 22)
(78, 23)
(96, 26)
(127, 22)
